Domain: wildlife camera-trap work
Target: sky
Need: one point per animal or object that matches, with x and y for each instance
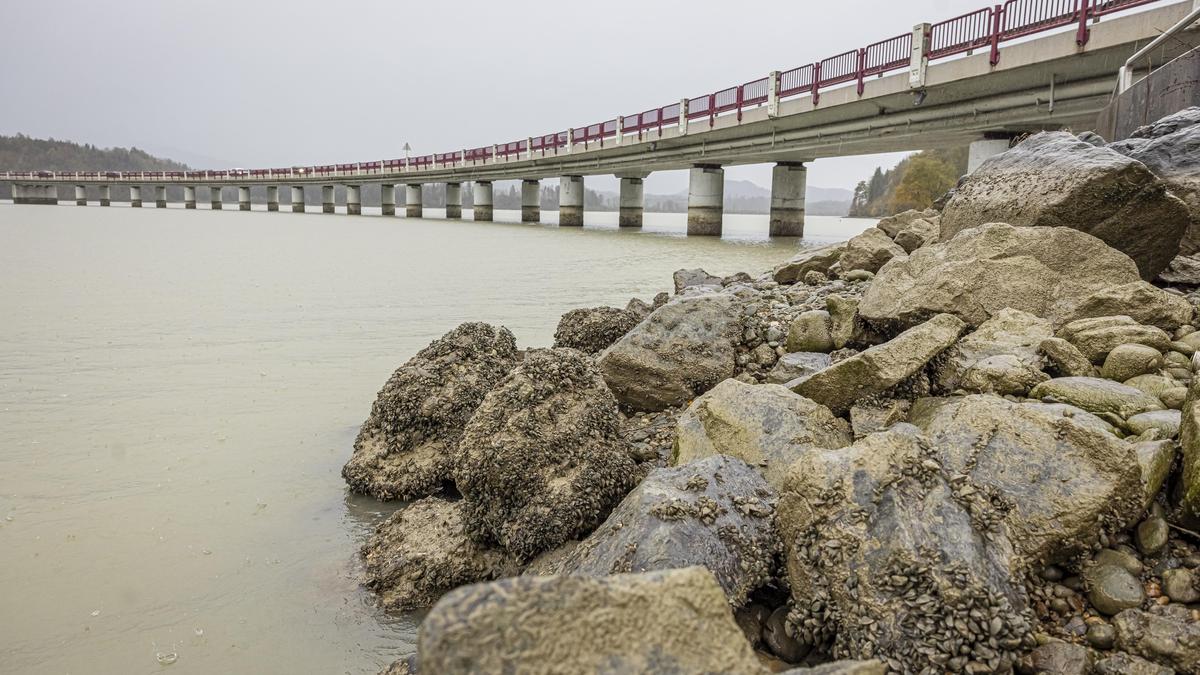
(302, 82)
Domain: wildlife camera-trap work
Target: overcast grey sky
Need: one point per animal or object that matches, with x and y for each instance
(300, 82)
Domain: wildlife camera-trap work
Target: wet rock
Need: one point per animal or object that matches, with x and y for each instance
(1121, 663)
(1053, 273)
(405, 449)
(1121, 558)
(1001, 356)
(878, 415)
(1181, 585)
(767, 426)
(1164, 639)
(593, 330)
(817, 259)
(1189, 445)
(1184, 270)
(1052, 478)
(1155, 459)
(810, 333)
(543, 459)
(1065, 358)
(797, 364)
(694, 277)
(1165, 421)
(1111, 588)
(882, 367)
(1096, 337)
(1152, 536)
(778, 640)
(1053, 179)
(674, 622)
(1097, 395)
(1101, 635)
(1061, 658)
(422, 551)
(1130, 360)
(677, 353)
(869, 251)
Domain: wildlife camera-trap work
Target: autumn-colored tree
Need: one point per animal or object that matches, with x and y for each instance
(926, 178)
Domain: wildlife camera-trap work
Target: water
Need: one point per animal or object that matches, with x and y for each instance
(179, 390)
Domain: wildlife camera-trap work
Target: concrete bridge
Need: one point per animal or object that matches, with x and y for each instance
(979, 79)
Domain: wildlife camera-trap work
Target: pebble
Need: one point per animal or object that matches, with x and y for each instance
(1113, 588)
(1180, 585)
(1101, 635)
(1121, 558)
(1152, 535)
(1052, 573)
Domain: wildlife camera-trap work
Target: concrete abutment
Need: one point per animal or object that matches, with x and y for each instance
(706, 200)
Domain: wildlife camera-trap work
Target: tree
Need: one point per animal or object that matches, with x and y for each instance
(926, 178)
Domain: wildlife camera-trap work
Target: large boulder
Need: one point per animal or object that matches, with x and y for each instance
(766, 426)
(882, 367)
(674, 622)
(1168, 639)
(890, 556)
(592, 330)
(1000, 357)
(405, 449)
(422, 551)
(715, 512)
(677, 353)
(797, 364)
(1171, 149)
(920, 233)
(1097, 336)
(869, 251)
(1058, 481)
(1054, 179)
(543, 459)
(694, 277)
(1050, 272)
(816, 259)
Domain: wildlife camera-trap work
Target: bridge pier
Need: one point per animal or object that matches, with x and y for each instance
(326, 199)
(984, 148)
(135, 196)
(788, 183)
(80, 195)
(272, 197)
(105, 195)
(453, 200)
(482, 199)
(631, 202)
(243, 197)
(214, 197)
(354, 200)
(160, 196)
(531, 200)
(189, 196)
(706, 200)
(297, 199)
(412, 200)
(387, 199)
(570, 201)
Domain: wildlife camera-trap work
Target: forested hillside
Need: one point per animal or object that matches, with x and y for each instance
(914, 183)
(22, 153)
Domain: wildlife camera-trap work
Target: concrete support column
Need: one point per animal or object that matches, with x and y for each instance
(631, 202)
(354, 200)
(570, 201)
(105, 195)
(412, 200)
(326, 199)
(788, 183)
(160, 196)
(272, 197)
(482, 196)
(243, 197)
(706, 200)
(189, 196)
(387, 199)
(297, 199)
(215, 200)
(80, 195)
(454, 200)
(135, 196)
(531, 200)
(18, 193)
(982, 149)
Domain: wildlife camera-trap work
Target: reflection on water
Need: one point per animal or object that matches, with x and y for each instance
(179, 390)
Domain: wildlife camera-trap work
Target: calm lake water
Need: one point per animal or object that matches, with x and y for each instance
(179, 390)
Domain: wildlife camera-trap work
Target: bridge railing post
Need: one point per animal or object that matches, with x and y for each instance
(1082, 35)
(919, 60)
(683, 116)
(997, 27)
(773, 94)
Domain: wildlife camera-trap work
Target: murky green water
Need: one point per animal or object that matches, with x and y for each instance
(179, 390)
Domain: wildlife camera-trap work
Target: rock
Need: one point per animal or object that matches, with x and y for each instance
(715, 512)
(818, 259)
(1121, 558)
(1058, 477)
(1000, 357)
(1091, 138)
(1101, 635)
(694, 277)
(543, 460)
(1111, 588)
(1060, 658)
(405, 666)
(1121, 663)
(674, 622)
(775, 633)
(1181, 585)
(1053, 179)
(1163, 639)
(405, 449)
(1155, 385)
(1155, 459)
(1096, 337)
(883, 558)
(843, 319)
(594, 329)
(1152, 536)
(1097, 395)
(797, 364)
(1143, 302)
(1173, 398)
(810, 332)
(752, 618)
(871, 667)
(878, 416)
(677, 353)
(422, 551)
(1130, 360)
(882, 367)
(1065, 358)
(1189, 445)
(892, 226)
(1052, 273)
(869, 251)
(858, 275)
(1165, 421)
(921, 233)
(767, 426)
(1184, 270)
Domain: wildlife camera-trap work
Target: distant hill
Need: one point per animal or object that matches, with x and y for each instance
(22, 153)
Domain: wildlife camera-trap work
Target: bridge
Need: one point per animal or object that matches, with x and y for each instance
(979, 79)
